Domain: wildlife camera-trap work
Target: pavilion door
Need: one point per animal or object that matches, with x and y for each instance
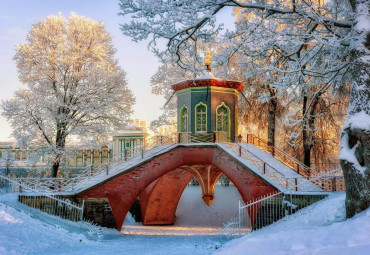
(223, 124)
(184, 125)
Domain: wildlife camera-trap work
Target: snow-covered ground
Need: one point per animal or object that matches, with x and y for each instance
(22, 234)
(318, 229)
(195, 231)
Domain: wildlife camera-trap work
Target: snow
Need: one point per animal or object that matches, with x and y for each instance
(27, 235)
(318, 229)
(283, 170)
(363, 20)
(360, 120)
(348, 154)
(22, 233)
(207, 76)
(266, 157)
(224, 207)
(193, 216)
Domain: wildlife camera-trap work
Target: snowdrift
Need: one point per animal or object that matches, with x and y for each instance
(318, 229)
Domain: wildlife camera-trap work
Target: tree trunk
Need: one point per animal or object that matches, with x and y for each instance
(60, 144)
(308, 132)
(271, 121)
(54, 171)
(355, 137)
(307, 135)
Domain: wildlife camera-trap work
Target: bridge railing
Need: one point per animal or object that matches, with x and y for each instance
(69, 184)
(261, 166)
(127, 154)
(288, 160)
(11, 190)
(326, 183)
(265, 210)
(202, 137)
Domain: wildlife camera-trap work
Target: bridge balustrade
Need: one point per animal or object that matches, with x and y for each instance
(203, 137)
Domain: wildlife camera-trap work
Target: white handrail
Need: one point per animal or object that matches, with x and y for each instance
(290, 189)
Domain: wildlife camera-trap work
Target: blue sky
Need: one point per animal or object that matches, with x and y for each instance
(17, 17)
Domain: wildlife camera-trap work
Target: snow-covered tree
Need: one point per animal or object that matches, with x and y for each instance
(74, 84)
(305, 46)
(170, 73)
(7, 160)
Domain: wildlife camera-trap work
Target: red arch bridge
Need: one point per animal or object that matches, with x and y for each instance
(158, 175)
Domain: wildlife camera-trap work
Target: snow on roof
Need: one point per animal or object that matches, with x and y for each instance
(131, 130)
(207, 76)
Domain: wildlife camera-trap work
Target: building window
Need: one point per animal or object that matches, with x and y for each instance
(223, 120)
(201, 117)
(184, 119)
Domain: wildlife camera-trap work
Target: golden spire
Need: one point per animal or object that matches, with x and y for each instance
(207, 60)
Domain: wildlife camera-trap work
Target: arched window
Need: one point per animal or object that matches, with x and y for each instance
(184, 119)
(201, 118)
(223, 120)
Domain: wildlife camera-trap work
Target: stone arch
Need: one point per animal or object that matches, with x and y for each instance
(159, 201)
(123, 189)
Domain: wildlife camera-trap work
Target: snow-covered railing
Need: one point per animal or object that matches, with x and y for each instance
(289, 161)
(54, 184)
(265, 210)
(323, 183)
(261, 166)
(126, 155)
(327, 183)
(151, 147)
(95, 172)
(41, 201)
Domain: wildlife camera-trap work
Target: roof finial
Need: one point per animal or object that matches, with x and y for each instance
(207, 61)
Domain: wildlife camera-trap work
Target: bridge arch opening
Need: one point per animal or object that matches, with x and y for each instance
(159, 202)
(192, 211)
(188, 213)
